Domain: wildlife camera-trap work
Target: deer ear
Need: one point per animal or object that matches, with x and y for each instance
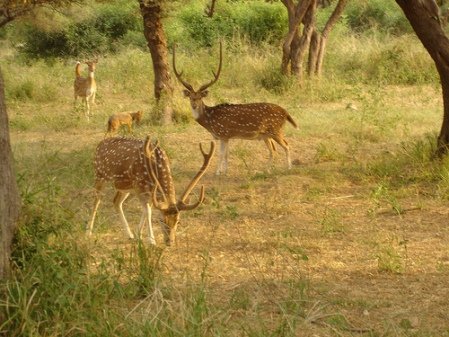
(186, 93)
(204, 93)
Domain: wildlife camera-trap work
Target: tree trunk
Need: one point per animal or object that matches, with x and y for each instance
(299, 54)
(157, 44)
(319, 41)
(9, 195)
(291, 45)
(423, 15)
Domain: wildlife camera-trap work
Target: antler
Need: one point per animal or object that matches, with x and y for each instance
(148, 152)
(178, 75)
(207, 157)
(216, 75)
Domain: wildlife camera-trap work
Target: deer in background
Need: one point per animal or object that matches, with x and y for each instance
(123, 118)
(85, 87)
(243, 121)
(142, 167)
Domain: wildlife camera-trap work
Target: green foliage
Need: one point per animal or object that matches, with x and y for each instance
(380, 15)
(391, 257)
(273, 80)
(91, 35)
(256, 21)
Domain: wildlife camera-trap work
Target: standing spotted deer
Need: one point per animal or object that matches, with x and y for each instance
(85, 87)
(242, 121)
(142, 167)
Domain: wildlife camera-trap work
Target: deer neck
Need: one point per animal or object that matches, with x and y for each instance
(164, 176)
(91, 77)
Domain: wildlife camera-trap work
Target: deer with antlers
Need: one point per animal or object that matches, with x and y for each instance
(85, 87)
(243, 121)
(142, 167)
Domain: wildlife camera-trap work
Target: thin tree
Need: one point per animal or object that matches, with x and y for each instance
(319, 40)
(9, 194)
(153, 30)
(423, 16)
(210, 9)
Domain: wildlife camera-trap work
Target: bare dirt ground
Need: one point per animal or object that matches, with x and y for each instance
(314, 236)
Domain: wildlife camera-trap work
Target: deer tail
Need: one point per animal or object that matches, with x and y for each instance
(292, 122)
(77, 69)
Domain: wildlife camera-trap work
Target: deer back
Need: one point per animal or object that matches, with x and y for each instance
(126, 162)
(247, 121)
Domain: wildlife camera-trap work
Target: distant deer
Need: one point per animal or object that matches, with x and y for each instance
(243, 121)
(142, 167)
(123, 118)
(85, 87)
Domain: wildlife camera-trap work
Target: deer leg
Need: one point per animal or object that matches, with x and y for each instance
(143, 218)
(86, 102)
(224, 154)
(283, 143)
(146, 216)
(98, 188)
(119, 198)
(271, 149)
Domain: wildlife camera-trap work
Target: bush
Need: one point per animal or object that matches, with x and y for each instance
(92, 35)
(41, 44)
(115, 24)
(380, 15)
(256, 21)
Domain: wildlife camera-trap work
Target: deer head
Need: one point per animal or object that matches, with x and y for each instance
(168, 206)
(91, 64)
(196, 97)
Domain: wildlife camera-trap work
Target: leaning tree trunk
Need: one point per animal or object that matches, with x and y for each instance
(319, 40)
(157, 43)
(9, 195)
(423, 15)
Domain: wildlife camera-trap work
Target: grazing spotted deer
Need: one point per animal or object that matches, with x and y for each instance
(243, 121)
(142, 167)
(123, 118)
(85, 87)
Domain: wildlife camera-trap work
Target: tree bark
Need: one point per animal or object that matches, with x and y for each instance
(423, 15)
(151, 11)
(9, 195)
(319, 41)
(292, 41)
(299, 54)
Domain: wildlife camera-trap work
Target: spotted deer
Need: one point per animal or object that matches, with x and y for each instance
(123, 118)
(85, 87)
(243, 121)
(142, 167)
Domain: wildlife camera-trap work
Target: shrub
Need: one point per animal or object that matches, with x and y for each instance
(380, 15)
(256, 21)
(91, 35)
(115, 24)
(42, 44)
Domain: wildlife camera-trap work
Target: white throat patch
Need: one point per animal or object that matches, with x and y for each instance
(196, 112)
